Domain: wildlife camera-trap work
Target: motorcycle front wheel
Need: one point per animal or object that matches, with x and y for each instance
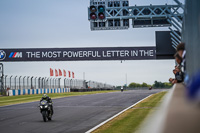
(44, 116)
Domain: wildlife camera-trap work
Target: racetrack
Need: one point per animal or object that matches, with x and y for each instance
(75, 114)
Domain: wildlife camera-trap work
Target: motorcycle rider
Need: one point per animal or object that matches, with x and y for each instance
(122, 88)
(49, 101)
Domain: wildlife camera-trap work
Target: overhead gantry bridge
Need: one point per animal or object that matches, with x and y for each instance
(116, 15)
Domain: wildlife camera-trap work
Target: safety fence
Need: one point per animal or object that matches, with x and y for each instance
(31, 82)
(82, 84)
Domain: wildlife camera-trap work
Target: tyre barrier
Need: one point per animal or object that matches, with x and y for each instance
(36, 91)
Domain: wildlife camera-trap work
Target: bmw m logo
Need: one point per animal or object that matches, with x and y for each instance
(2, 55)
(15, 55)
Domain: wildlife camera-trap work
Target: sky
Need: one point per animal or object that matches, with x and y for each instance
(64, 24)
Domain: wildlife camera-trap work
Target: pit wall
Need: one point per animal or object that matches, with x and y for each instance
(36, 91)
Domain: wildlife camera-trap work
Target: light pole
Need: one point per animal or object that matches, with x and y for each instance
(70, 83)
(19, 82)
(15, 82)
(5, 80)
(35, 82)
(126, 80)
(27, 81)
(42, 82)
(59, 82)
(64, 83)
(39, 83)
(53, 82)
(10, 80)
(32, 82)
(56, 83)
(47, 83)
(50, 82)
(24, 82)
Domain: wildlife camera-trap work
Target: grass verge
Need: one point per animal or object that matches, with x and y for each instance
(129, 121)
(9, 100)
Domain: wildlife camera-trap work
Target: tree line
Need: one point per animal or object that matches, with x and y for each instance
(157, 84)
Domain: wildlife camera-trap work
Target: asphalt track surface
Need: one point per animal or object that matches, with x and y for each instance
(75, 114)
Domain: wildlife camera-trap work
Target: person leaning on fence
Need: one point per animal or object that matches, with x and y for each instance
(182, 53)
(170, 80)
(174, 71)
(178, 58)
(173, 81)
(179, 75)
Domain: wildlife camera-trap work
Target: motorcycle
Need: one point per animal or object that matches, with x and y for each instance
(45, 110)
(150, 88)
(122, 89)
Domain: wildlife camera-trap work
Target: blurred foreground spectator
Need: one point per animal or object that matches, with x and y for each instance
(193, 87)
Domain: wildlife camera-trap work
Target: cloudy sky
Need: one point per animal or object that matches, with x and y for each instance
(63, 23)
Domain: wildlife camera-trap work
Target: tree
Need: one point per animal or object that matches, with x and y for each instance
(132, 85)
(137, 85)
(144, 85)
(161, 85)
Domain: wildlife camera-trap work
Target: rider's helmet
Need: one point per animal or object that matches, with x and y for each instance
(44, 96)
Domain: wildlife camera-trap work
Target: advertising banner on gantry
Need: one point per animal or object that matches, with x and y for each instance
(77, 54)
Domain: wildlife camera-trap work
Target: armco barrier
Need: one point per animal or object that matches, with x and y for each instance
(36, 91)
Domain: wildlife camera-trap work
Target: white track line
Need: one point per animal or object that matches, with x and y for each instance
(94, 128)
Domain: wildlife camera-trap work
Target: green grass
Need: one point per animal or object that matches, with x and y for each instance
(129, 121)
(9, 100)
